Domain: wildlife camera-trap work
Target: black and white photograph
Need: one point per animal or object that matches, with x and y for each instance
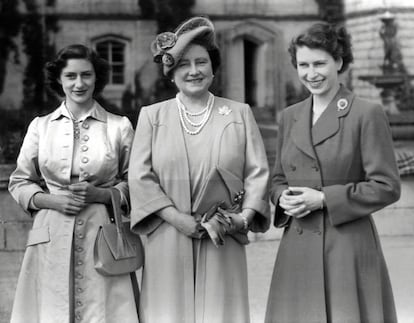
(206, 161)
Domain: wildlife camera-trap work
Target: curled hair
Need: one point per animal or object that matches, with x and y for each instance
(327, 37)
(54, 68)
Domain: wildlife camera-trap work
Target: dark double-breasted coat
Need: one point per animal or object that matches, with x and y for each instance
(330, 266)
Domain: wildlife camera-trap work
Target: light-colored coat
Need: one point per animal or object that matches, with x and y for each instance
(43, 289)
(173, 290)
(330, 266)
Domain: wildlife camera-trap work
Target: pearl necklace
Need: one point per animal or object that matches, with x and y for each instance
(185, 115)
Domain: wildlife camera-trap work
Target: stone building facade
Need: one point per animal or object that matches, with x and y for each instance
(253, 36)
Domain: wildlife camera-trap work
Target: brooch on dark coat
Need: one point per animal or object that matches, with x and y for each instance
(342, 104)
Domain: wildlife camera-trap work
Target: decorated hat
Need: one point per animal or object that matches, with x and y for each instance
(168, 47)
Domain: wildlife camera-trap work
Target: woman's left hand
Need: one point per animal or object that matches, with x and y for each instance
(235, 221)
(305, 199)
(89, 193)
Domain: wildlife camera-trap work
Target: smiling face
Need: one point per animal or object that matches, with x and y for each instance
(193, 74)
(78, 82)
(318, 71)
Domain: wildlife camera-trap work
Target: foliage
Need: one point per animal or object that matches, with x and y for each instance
(10, 21)
(168, 14)
(35, 28)
(36, 45)
(331, 10)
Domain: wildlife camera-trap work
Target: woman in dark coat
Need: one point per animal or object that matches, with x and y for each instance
(334, 167)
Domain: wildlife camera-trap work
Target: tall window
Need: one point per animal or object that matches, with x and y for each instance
(114, 52)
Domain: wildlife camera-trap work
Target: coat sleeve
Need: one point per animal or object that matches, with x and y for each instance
(25, 180)
(147, 196)
(126, 138)
(256, 175)
(278, 181)
(381, 186)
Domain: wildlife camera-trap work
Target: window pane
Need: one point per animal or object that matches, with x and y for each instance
(117, 79)
(114, 53)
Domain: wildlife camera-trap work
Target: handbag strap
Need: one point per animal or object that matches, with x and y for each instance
(115, 209)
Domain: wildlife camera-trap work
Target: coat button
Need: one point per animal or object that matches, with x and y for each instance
(80, 236)
(85, 160)
(84, 148)
(316, 168)
(299, 230)
(80, 222)
(85, 137)
(85, 125)
(293, 167)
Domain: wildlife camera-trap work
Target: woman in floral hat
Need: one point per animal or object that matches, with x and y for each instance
(195, 267)
(334, 167)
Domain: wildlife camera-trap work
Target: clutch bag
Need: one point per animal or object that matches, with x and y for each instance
(221, 189)
(117, 251)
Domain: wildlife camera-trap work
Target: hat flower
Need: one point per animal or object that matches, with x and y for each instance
(167, 59)
(166, 40)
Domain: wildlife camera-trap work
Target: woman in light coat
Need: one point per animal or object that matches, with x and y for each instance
(334, 167)
(80, 151)
(178, 142)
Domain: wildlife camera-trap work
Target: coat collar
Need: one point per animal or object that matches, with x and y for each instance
(328, 123)
(305, 136)
(301, 134)
(97, 112)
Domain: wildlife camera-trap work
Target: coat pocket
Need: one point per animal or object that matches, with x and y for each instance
(38, 235)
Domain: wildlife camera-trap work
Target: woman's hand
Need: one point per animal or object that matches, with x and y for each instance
(184, 223)
(189, 226)
(68, 205)
(300, 201)
(235, 221)
(88, 193)
(65, 204)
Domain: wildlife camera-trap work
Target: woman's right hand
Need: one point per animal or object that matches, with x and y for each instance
(184, 223)
(189, 226)
(66, 204)
(293, 204)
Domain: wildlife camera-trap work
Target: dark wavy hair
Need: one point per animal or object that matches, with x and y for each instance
(212, 50)
(324, 36)
(54, 68)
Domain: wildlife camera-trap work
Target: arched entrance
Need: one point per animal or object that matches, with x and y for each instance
(252, 68)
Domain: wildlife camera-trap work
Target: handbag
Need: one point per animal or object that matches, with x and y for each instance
(117, 251)
(225, 190)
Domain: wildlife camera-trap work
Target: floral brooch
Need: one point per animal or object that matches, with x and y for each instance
(224, 110)
(342, 104)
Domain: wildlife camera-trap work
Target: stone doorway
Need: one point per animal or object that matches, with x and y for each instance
(252, 65)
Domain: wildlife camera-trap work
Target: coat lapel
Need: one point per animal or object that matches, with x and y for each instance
(177, 143)
(301, 134)
(328, 124)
